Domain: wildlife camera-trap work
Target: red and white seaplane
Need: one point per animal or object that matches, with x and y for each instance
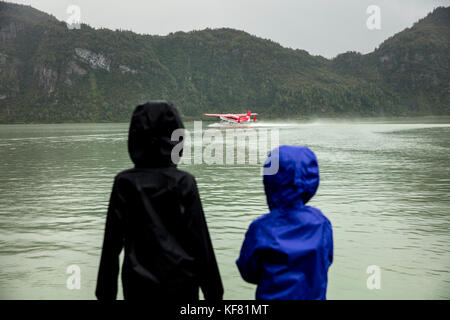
(235, 117)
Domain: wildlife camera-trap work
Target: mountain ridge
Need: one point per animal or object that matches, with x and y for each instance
(49, 73)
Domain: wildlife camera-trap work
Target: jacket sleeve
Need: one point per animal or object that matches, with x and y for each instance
(248, 263)
(112, 246)
(330, 244)
(210, 281)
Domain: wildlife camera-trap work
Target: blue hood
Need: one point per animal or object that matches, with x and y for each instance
(296, 180)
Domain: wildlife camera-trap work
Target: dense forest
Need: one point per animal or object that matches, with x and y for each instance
(50, 73)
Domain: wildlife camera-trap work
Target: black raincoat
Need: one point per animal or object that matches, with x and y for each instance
(155, 213)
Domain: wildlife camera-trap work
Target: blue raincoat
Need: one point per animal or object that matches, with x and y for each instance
(288, 251)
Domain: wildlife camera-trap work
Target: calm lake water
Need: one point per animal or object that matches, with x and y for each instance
(385, 186)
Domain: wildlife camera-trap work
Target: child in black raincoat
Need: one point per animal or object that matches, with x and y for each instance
(155, 213)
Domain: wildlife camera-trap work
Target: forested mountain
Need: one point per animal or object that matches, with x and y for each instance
(50, 73)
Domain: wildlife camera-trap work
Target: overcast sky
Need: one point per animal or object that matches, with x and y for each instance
(321, 27)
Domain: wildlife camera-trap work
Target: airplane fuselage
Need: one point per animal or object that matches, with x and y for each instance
(234, 119)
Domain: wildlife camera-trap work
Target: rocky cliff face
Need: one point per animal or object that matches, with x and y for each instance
(9, 31)
(47, 78)
(9, 79)
(95, 60)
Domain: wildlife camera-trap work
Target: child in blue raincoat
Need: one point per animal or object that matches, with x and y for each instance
(288, 251)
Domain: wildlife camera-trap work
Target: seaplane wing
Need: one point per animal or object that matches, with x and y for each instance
(245, 114)
(234, 117)
(229, 114)
(217, 114)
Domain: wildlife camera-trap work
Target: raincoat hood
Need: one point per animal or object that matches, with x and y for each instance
(296, 180)
(151, 128)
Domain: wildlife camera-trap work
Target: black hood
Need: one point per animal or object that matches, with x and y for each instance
(151, 128)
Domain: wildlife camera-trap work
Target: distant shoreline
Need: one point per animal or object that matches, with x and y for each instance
(262, 119)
